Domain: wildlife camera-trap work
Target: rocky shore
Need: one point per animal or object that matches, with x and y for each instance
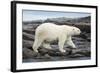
(82, 52)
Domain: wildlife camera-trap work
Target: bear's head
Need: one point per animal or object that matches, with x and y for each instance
(71, 30)
(75, 31)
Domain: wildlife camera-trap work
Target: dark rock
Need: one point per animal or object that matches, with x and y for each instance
(28, 36)
(39, 56)
(47, 56)
(76, 55)
(43, 51)
(83, 35)
(86, 53)
(27, 44)
(82, 52)
(29, 31)
(35, 26)
(54, 52)
(29, 26)
(89, 39)
(84, 27)
(86, 36)
(27, 53)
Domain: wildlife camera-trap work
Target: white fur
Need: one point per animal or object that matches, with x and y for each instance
(50, 32)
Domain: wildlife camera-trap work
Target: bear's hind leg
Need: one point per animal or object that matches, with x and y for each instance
(37, 44)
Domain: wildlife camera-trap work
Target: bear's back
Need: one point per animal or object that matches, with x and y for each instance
(48, 27)
(48, 30)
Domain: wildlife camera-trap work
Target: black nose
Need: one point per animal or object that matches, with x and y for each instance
(81, 33)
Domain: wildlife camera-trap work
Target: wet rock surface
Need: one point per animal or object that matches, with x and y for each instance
(82, 52)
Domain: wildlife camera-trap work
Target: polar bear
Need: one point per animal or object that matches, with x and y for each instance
(50, 32)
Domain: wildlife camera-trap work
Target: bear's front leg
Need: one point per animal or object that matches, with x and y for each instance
(70, 43)
(61, 43)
